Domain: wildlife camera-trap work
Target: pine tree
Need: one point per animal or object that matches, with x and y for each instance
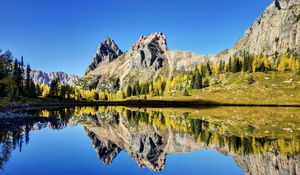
(28, 80)
(229, 65)
(221, 66)
(18, 75)
(95, 95)
(236, 65)
(54, 88)
(208, 69)
(32, 89)
(193, 80)
(2, 74)
(137, 88)
(116, 85)
(128, 91)
(198, 81)
(21, 75)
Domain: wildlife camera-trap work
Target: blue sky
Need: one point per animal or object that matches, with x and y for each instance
(63, 35)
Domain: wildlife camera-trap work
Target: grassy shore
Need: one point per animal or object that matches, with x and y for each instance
(267, 89)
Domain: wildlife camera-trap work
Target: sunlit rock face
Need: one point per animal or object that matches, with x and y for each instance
(276, 30)
(147, 51)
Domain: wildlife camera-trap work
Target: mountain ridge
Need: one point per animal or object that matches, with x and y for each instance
(147, 59)
(46, 78)
(275, 31)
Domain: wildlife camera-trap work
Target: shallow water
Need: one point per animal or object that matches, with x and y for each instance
(116, 140)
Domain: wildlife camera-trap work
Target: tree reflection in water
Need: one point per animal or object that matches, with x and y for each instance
(262, 141)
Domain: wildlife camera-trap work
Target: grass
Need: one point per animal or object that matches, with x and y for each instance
(267, 88)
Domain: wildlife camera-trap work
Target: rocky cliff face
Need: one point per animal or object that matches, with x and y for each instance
(107, 52)
(46, 78)
(276, 30)
(148, 51)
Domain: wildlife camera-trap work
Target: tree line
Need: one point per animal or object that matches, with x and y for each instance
(15, 80)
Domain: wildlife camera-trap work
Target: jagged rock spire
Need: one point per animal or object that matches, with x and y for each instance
(107, 52)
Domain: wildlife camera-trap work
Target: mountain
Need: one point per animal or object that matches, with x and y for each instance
(148, 58)
(46, 78)
(276, 30)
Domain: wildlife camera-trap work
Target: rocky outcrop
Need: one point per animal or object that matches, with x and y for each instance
(46, 78)
(107, 52)
(148, 51)
(276, 30)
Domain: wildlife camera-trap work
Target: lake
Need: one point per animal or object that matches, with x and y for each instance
(121, 140)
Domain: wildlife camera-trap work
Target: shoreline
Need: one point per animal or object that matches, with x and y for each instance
(139, 104)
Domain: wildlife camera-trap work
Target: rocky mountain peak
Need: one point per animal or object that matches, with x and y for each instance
(106, 52)
(148, 51)
(156, 39)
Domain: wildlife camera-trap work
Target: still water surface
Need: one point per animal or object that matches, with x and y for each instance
(117, 140)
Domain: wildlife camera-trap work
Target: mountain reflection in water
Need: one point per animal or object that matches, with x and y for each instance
(260, 140)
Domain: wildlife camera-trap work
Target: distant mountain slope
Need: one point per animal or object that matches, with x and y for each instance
(276, 30)
(46, 78)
